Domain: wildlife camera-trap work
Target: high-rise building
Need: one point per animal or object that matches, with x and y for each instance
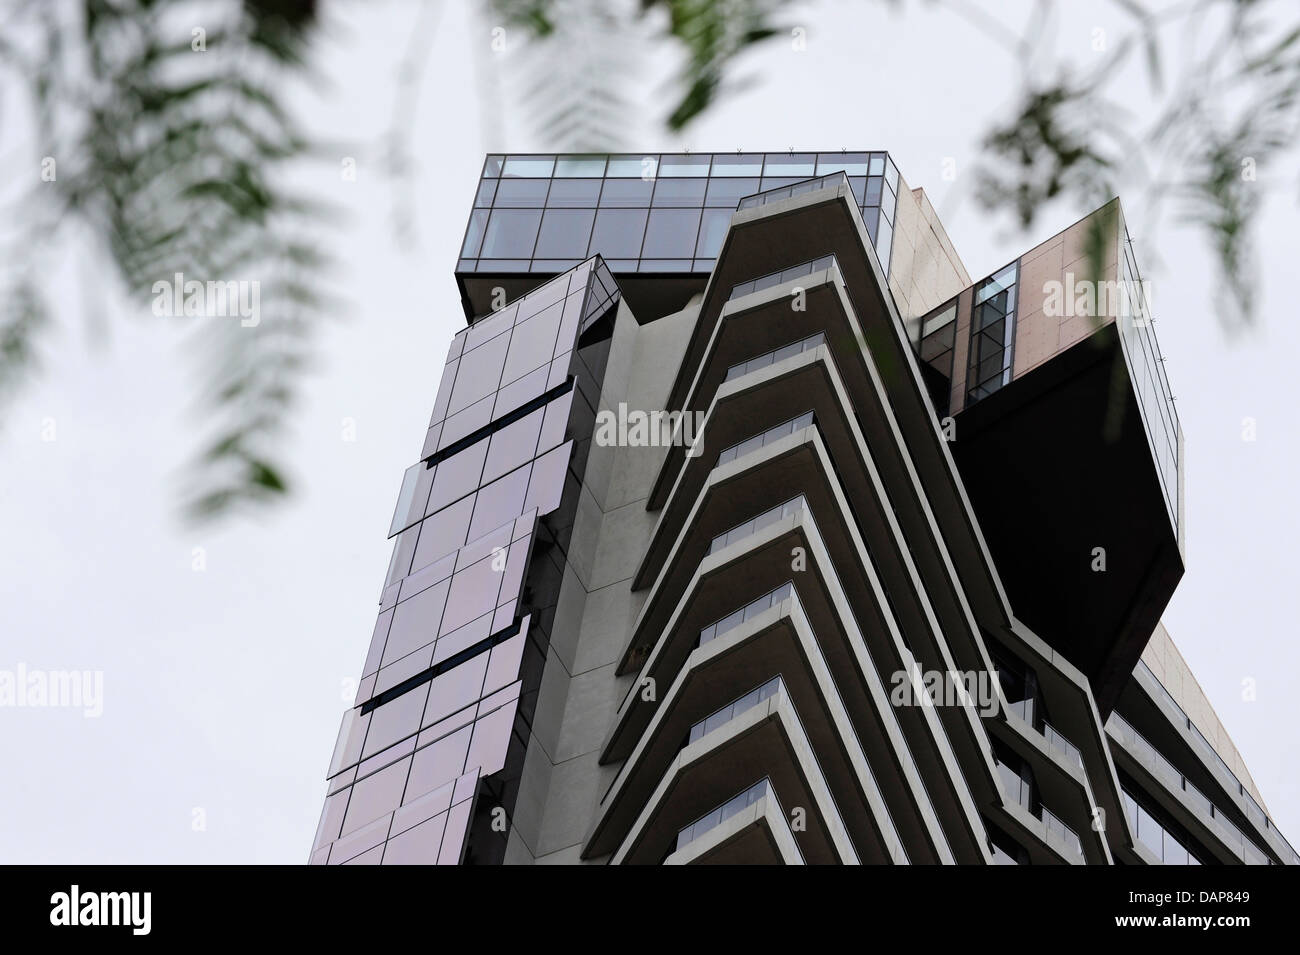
(748, 528)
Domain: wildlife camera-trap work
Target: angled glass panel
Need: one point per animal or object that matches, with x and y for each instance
(474, 233)
(681, 166)
(529, 167)
(680, 192)
(574, 193)
(511, 234)
(797, 165)
(627, 193)
(618, 233)
(737, 165)
(632, 167)
(727, 193)
(487, 188)
(671, 234)
(575, 167)
(522, 193)
(565, 233)
(713, 229)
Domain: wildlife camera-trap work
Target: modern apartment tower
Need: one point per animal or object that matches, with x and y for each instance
(749, 529)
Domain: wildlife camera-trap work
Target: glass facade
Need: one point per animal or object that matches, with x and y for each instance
(654, 213)
(431, 746)
(1147, 368)
(937, 353)
(992, 332)
(1174, 779)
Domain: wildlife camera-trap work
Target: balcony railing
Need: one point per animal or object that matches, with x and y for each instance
(1054, 824)
(737, 707)
(772, 279)
(747, 612)
(716, 817)
(1056, 741)
(1166, 847)
(755, 524)
(767, 437)
(1254, 812)
(777, 354)
(1231, 834)
(1021, 790)
(797, 189)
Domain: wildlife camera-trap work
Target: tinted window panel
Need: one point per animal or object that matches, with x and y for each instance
(565, 233)
(618, 233)
(671, 234)
(510, 234)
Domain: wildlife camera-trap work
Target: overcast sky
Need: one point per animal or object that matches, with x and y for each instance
(223, 686)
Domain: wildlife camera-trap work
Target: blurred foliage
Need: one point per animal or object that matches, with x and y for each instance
(709, 35)
(174, 159)
(1221, 126)
(170, 149)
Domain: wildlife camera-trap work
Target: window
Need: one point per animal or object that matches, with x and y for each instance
(510, 234)
(618, 233)
(671, 234)
(713, 229)
(992, 332)
(565, 233)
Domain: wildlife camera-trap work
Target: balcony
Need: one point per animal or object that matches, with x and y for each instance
(698, 593)
(1209, 816)
(850, 304)
(772, 434)
(779, 637)
(834, 180)
(748, 827)
(751, 609)
(1057, 743)
(741, 369)
(1167, 848)
(1021, 791)
(773, 279)
(727, 713)
(767, 740)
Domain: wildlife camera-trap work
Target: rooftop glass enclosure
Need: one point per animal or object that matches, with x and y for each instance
(654, 213)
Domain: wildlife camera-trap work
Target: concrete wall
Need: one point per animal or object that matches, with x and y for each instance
(925, 270)
(563, 781)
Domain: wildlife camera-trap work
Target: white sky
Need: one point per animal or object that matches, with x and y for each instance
(223, 688)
